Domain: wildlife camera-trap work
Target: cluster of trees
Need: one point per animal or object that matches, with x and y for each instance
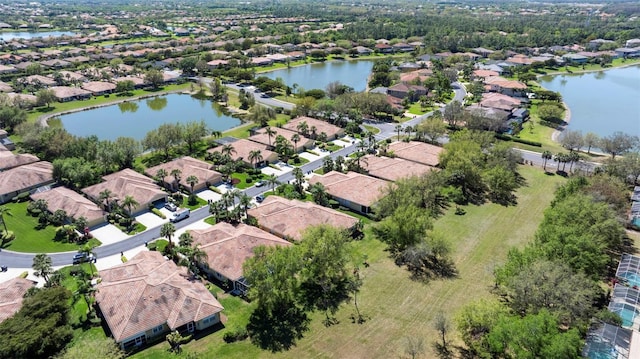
(616, 144)
(551, 286)
(246, 99)
(289, 282)
(170, 135)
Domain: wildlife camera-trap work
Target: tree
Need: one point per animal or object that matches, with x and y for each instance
(41, 328)
(154, 77)
(228, 149)
(163, 138)
(414, 347)
(591, 140)
(167, 230)
(45, 97)
(618, 143)
(193, 132)
(270, 133)
(255, 157)
(129, 203)
(125, 87)
(176, 173)
(261, 115)
(185, 239)
(572, 140)
(546, 156)
(105, 197)
(192, 181)
(161, 174)
(550, 112)
(272, 181)
(302, 128)
(407, 226)
(442, 325)
(87, 250)
(126, 150)
(398, 129)
(319, 194)
(175, 341)
(4, 211)
(432, 128)
(42, 266)
(629, 164)
(453, 113)
(295, 138)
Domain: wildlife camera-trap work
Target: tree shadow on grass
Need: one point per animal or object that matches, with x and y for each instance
(277, 329)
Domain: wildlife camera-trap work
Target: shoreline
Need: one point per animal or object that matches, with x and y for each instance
(637, 63)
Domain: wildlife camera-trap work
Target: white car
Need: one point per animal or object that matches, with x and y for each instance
(171, 206)
(260, 183)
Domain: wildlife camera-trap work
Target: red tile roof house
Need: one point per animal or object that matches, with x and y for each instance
(415, 151)
(24, 178)
(243, 149)
(392, 169)
(262, 137)
(332, 131)
(39, 80)
(128, 182)
(73, 203)
(352, 190)
(290, 218)
(66, 93)
(149, 296)
(403, 90)
(5, 87)
(11, 295)
(99, 88)
(188, 166)
(10, 160)
(504, 86)
(228, 247)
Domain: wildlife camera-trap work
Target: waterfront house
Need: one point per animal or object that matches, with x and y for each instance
(68, 93)
(24, 178)
(99, 88)
(73, 203)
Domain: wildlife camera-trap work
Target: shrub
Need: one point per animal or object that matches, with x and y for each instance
(236, 335)
(334, 204)
(24, 274)
(152, 246)
(248, 180)
(193, 200)
(215, 189)
(21, 197)
(158, 213)
(7, 237)
(123, 259)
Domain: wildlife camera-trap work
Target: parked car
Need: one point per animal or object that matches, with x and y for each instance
(259, 198)
(260, 183)
(84, 258)
(171, 206)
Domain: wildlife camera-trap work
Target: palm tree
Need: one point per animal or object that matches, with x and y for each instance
(408, 130)
(185, 239)
(192, 181)
(299, 179)
(272, 180)
(546, 155)
(573, 157)
(228, 150)
(160, 175)
(255, 156)
(270, 133)
(129, 203)
(295, 139)
(398, 129)
(302, 127)
(167, 230)
(42, 266)
(245, 201)
(4, 211)
(87, 250)
(106, 196)
(216, 134)
(176, 176)
(313, 130)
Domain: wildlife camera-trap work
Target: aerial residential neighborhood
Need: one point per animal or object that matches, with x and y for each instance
(300, 179)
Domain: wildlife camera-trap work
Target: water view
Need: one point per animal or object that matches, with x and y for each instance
(601, 102)
(8, 36)
(319, 75)
(136, 118)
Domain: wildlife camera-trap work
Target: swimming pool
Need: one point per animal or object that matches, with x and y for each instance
(632, 278)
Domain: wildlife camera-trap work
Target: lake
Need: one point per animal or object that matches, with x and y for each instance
(602, 102)
(318, 75)
(136, 118)
(8, 36)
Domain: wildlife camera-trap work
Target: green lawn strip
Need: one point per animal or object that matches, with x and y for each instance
(200, 203)
(241, 131)
(416, 109)
(32, 240)
(210, 220)
(243, 179)
(372, 129)
(363, 218)
(301, 161)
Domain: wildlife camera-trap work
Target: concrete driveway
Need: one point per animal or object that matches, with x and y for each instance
(109, 234)
(209, 195)
(150, 220)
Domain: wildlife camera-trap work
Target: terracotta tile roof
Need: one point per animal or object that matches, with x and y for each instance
(393, 169)
(98, 86)
(261, 137)
(23, 96)
(71, 202)
(353, 187)
(72, 75)
(189, 166)
(137, 81)
(499, 101)
(148, 291)
(26, 176)
(11, 295)
(33, 79)
(9, 160)
(415, 151)
(290, 218)
(63, 92)
(228, 247)
(484, 73)
(127, 182)
(5, 87)
(504, 83)
(244, 147)
(321, 126)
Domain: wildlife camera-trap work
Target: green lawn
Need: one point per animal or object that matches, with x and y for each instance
(395, 305)
(32, 240)
(243, 180)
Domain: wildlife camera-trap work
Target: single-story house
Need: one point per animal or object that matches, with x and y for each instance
(228, 247)
(482, 51)
(138, 82)
(11, 295)
(626, 52)
(481, 74)
(39, 80)
(402, 90)
(9, 160)
(30, 100)
(55, 63)
(71, 76)
(7, 69)
(392, 169)
(403, 47)
(415, 151)
(289, 218)
(67, 93)
(98, 88)
(421, 75)
(128, 183)
(500, 116)
(261, 61)
(383, 48)
(214, 64)
(575, 58)
(150, 296)
(315, 127)
(78, 59)
(632, 43)
(73, 203)
(504, 86)
(5, 87)
(262, 137)
(188, 166)
(242, 149)
(499, 101)
(24, 178)
(352, 190)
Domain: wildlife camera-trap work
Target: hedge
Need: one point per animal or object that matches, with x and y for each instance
(158, 213)
(517, 139)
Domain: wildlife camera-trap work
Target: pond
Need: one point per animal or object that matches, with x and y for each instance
(8, 36)
(136, 118)
(318, 75)
(601, 102)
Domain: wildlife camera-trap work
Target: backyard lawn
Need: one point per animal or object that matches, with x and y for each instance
(397, 306)
(32, 240)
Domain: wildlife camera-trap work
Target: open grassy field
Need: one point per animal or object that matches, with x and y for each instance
(397, 306)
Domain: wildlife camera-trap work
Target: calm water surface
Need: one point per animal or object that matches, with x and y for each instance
(601, 102)
(136, 118)
(319, 75)
(8, 36)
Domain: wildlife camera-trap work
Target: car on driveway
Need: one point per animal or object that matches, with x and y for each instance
(259, 198)
(171, 206)
(79, 258)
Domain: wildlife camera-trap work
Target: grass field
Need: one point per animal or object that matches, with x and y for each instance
(397, 306)
(32, 240)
